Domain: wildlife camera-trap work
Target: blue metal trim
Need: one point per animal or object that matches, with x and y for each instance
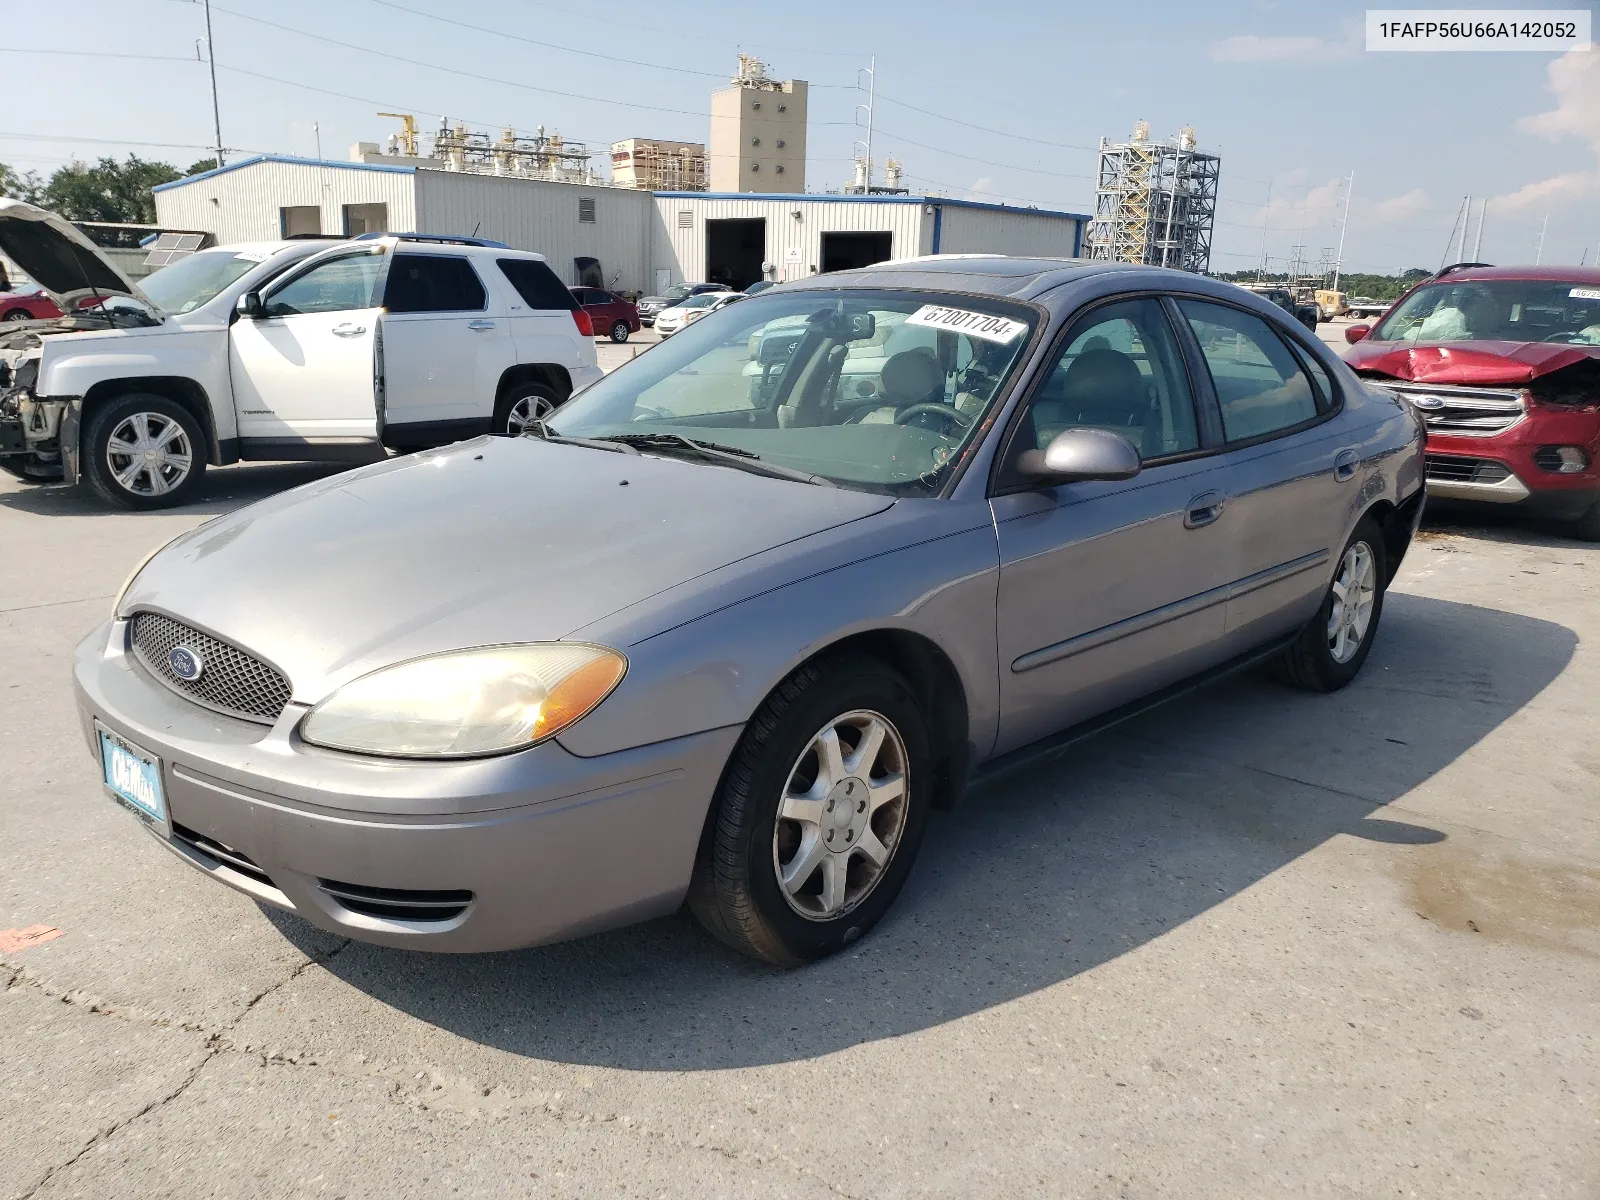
(825, 198)
(283, 158)
(1077, 239)
(938, 225)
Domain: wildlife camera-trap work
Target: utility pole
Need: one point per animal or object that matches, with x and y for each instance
(1338, 259)
(316, 132)
(1461, 215)
(1466, 219)
(211, 61)
(872, 89)
(1539, 253)
(1265, 213)
(1477, 242)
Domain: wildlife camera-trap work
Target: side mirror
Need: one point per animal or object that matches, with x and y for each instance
(1354, 333)
(249, 305)
(1076, 455)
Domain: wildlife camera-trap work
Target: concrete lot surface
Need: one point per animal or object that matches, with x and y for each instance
(1259, 943)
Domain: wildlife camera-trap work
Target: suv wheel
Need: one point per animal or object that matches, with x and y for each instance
(143, 451)
(521, 404)
(619, 331)
(819, 815)
(1331, 648)
(1587, 526)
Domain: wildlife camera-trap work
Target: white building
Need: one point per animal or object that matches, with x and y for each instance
(619, 238)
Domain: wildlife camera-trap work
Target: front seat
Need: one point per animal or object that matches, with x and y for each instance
(1101, 387)
(912, 377)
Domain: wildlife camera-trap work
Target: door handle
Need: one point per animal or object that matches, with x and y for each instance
(480, 326)
(1345, 463)
(1202, 510)
(349, 330)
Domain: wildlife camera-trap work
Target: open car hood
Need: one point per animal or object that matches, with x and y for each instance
(67, 266)
(1488, 364)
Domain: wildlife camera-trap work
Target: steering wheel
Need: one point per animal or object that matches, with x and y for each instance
(959, 419)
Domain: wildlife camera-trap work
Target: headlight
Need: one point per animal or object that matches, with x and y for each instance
(467, 702)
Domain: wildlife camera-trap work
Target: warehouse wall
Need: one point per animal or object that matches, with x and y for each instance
(531, 214)
(242, 204)
(681, 250)
(1011, 231)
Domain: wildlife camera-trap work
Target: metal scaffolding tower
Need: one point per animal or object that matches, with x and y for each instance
(1155, 203)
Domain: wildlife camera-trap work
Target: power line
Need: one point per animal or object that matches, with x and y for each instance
(985, 129)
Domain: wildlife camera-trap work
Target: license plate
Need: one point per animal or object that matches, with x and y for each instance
(133, 777)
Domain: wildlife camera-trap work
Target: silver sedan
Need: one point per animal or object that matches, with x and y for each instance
(729, 624)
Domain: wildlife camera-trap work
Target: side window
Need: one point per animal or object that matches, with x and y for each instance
(1325, 398)
(1120, 370)
(426, 283)
(1261, 386)
(333, 286)
(537, 284)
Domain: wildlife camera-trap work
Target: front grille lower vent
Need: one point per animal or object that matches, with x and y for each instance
(1462, 411)
(398, 904)
(230, 680)
(1451, 468)
(222, 854)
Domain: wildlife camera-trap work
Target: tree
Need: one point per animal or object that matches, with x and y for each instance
(200, 165)
(20, 185)
(107, 190)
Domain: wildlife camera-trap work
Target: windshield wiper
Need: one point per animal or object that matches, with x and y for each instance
(544, 433)
(733, 456)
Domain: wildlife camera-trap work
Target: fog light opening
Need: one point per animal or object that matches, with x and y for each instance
(1562, 460)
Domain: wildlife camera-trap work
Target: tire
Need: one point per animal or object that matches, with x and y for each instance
(521, 403)
(137, 421)
(619, 332)
(1586, 528)
(736, 891)
(1317, 660)
(18, 314)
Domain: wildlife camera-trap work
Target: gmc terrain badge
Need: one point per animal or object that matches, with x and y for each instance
(185, 663)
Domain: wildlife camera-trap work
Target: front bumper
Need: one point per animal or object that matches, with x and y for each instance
(1505, 468)
(549, 845)
(34, 432)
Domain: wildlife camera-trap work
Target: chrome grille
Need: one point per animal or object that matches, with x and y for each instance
(231, 681)
(1452, 468)
(1463, 411)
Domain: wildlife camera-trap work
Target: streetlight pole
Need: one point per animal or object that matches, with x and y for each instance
(1338, 258)
(1539, 253)
(1261, 269)
(211, 62)
(1477, 242)
(872, 89)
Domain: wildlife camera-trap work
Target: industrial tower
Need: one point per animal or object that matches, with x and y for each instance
(1155, 202)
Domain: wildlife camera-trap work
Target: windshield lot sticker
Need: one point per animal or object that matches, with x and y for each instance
(1584, 294)
(960, 320)
(251, 256)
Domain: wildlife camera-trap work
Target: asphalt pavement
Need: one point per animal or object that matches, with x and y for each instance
(1258, 943)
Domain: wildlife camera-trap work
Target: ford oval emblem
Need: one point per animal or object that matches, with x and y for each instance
(1427, 402)
(185, 663)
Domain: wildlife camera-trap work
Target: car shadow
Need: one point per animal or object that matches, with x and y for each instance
(1031, 882)
(1499, 523)
(221, 490)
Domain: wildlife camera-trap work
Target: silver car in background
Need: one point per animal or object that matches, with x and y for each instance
(729, 624)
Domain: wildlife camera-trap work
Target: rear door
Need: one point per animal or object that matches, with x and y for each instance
(305, 369)
(541, 321)
(1110, 590)
(445, 347)
(1294, 475)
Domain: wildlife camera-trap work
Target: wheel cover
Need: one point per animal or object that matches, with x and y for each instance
(1355, 589)
(841, 815)
(149, 454)
(528, 408)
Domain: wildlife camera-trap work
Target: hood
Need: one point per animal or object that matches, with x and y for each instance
(67, 266)
(1487, 364)
(488, 541)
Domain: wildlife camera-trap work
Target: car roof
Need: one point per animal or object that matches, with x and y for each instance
(1586, 275)
(1002, 276)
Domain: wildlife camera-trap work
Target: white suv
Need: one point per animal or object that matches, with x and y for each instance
(288, 350)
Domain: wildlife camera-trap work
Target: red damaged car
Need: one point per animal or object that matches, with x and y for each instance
(1503, 366)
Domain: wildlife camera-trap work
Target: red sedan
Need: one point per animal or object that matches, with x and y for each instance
(612, 316)
(27, 306)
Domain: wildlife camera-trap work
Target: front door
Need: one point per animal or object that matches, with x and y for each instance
(1110, 590)
(304, 370)
(444, 350)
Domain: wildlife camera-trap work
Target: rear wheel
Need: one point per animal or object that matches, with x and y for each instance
(18, 314)
(143, 451)
(1331, 648)
(1587, 526)
(521, 404)
(819, 814)
(619, 331)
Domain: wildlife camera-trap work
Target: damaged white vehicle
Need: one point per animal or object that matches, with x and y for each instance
(290, 350)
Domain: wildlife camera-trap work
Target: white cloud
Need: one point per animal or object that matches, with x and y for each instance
(980, 189)
(1252, 47)
(1575, 80)
(1396, 209)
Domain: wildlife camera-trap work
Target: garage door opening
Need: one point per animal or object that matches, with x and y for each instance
(845, 251)
(735, 250)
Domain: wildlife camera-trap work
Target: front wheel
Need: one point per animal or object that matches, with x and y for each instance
(1586, 527)
(143, 451)
(619, 332)
(1331, 648)
(819, 815)
(18, 314)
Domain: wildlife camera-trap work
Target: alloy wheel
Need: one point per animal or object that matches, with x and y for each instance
(841, 815)
(528, 408)
(149, 454)
(1354, 590)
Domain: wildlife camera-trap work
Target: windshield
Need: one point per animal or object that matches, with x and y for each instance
(190, 282)
(882, 391)
(677, 291)
(703, 300)
(1504, 310)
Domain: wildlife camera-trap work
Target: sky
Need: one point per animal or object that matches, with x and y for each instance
(998, 103)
